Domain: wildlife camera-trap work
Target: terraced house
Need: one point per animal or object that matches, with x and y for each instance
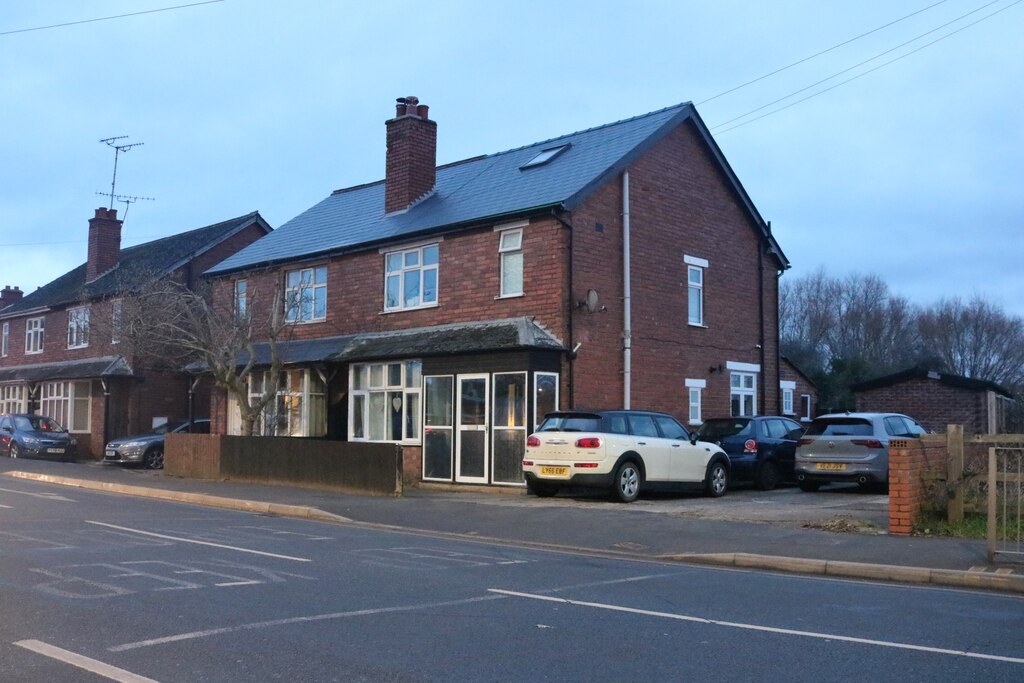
(61, 351)
(448, 308)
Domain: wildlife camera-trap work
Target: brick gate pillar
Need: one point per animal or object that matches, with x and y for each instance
(906, 462)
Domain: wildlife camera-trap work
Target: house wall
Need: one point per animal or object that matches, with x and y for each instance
(931, 403)
(788, 373)
(680, 204)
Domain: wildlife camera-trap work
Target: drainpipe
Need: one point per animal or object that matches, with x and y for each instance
(760, 310)
(106, 410)
(192, 400)
(627, 335)
(570, 310)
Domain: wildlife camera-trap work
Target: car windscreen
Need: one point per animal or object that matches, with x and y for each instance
(571, 423)
(168, 427)
(713, 430)
(840, 426)
(36, 423)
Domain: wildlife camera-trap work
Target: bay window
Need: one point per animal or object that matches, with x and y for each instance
(384, 401)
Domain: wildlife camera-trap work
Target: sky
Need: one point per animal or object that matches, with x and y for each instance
(869, 149)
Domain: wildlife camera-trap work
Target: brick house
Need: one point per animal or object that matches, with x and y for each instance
(60, 352)
(448, 308)
(799, 393)
(937, 399)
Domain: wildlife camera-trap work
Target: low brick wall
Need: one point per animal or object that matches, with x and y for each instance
(374, 468)
(906, 462)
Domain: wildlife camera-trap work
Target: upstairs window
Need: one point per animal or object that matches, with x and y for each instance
(695, 268)
(242, 298)
(78, 327)
(410, 278)
(510, 249)
(34, 329)
(305, 295)
(116, 320)
(5, 339)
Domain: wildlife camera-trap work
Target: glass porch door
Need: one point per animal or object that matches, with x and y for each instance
(472, 422)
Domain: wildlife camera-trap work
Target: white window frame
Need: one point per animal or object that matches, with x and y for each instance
(695, 390)
(374, 380)
(401, 272)
(116, 320)
(510, 245)
(303, 293)
(788, 391)
(65, 402)
(35, 331)
(12, 398)
(805, 399)
(78, 327)
(241, 289)
(695, 265)
(309, 424)
(742, 391)
(5, 340)
(536, 416)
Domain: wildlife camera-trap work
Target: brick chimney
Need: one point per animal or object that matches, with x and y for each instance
(8, 295)
(104, 243)
(412, 155)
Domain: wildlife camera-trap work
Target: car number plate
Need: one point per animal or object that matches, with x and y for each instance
(111, 451)
(830, 466)
(555, 471)
(54, 450)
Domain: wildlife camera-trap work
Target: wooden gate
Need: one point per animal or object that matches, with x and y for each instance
(1005, 502)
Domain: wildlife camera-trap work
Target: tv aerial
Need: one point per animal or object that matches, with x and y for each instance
(118, 148)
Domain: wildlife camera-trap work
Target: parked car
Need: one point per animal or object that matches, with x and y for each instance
(35, 436)
(850, 447)
(622, 450)
(148, 449)
(760, 449)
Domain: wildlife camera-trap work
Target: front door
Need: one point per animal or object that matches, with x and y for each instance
(472, 421)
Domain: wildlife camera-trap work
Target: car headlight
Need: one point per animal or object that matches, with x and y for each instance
(133, 444)
(30, 440)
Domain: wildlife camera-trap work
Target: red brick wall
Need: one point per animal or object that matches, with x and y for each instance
(411, 160)
(931, 403)
(803, 387)
(906, 463)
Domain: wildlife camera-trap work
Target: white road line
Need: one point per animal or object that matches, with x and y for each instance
(297, 620)
(767, 629)
(82, 662)
(207, 543)
(49, 496)
(8, 507)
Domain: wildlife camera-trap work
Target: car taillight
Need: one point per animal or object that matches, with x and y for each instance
(870, 443)
(750, 446)
(805, 442)
(585, 465)
(527, 463)
(533, 441)
(588, 442)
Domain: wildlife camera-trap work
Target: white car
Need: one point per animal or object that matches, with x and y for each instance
(624, 450)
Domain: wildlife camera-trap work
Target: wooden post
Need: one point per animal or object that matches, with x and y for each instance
(955, 473)
(990, 532)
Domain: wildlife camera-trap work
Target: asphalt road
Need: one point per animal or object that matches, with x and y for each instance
(102, 587)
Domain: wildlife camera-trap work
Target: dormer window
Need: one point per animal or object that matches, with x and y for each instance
(544, 157)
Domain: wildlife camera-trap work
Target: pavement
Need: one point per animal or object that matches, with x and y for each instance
(838, 533)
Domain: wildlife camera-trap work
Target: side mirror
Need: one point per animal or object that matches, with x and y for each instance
(693, 439)
(8, 429)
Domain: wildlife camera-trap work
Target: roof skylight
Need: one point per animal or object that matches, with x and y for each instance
(544, 157)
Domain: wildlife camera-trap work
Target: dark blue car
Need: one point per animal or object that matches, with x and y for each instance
(35, 436)
(760, 449)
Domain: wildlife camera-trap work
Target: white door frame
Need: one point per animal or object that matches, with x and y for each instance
(459, 428)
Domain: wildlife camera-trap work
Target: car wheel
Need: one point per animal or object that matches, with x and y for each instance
(13, 452)
(767, 476)
(717, 481)
(542, 489)
(154, 459)
(810, 486)
(627, 482)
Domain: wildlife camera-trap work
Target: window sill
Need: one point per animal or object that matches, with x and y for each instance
(406, 310)
(80, 346)
(306, 322)
(33, 353)
(700, 325)
(510, 296)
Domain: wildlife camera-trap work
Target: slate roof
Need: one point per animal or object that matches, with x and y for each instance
(924, 373)
(105, 366)
(136, 265)
(479, 190)
(437, 340)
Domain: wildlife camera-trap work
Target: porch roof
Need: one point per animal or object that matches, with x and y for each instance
(89, 368)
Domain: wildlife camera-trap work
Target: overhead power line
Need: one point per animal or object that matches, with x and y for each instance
(116, 16)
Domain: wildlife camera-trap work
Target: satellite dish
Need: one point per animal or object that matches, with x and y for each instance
(591, 302)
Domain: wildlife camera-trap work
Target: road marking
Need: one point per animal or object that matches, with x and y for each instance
(297, 620)
(50, 496)
(207, 543)
(755, 627)
(83, 662)
(8, 507)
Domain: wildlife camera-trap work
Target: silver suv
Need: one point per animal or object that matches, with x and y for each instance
(623, 450)
(850, 447)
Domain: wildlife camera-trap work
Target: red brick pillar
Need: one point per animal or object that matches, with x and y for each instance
(906, 461)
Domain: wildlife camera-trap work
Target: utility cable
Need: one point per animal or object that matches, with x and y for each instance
(116, 16)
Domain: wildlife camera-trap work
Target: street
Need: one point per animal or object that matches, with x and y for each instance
(97, 586)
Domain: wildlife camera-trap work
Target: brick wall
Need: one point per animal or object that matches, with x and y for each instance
(906, 463)
(803, 388)
(931, 403)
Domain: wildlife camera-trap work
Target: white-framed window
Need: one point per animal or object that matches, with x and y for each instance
(384, 401)
(805, 400)
(69, 403)
(410, 278)
(788, 390)
(695, 389)
(300, 408)
(116, 320)
(743, 394)
(695, 268)
(305, 294)
(5, 339)
(78, 327)
(242, 297)
(12, 398)
(545, 395)
(34, 329)
(510, 250)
